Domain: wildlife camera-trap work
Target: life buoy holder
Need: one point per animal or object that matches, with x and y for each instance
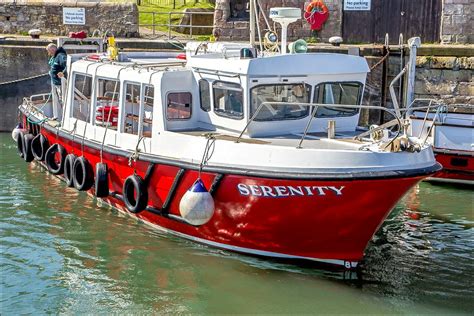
(39, 145)
(27, 153)
(83, 176)
(316, 13)
(55, 166)
(135, 194)
(101, 180)
(69, 169)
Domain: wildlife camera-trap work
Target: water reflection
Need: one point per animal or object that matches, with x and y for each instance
(62, 253)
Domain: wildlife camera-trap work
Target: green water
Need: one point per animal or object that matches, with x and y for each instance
(62, 253)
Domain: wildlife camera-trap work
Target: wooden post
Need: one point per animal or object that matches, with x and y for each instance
(153, 21)
(169, 25)
(190, 24)
(252, 23)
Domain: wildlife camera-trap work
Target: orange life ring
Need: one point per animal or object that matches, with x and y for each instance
(317, 5)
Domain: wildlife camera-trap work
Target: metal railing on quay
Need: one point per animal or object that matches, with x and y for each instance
(173, 3)
(170, 26)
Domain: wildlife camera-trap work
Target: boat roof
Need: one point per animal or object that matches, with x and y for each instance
(283, 65)
(290, 65)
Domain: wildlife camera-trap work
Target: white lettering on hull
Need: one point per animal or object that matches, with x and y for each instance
(285, 191)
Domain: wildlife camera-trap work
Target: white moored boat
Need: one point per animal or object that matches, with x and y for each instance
(452, 136)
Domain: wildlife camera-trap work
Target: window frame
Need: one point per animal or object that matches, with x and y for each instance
(122, 112)
(359, 97)
(142, 108)
(190, 106)
(96, 92)
(91, 100)
(308, 108)
(209, 88)
(223, 113)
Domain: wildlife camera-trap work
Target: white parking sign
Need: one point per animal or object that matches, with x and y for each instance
(356, 5)
(74, 16)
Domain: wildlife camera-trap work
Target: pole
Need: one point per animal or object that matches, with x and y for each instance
(169, 25)
(413, 43)
(252, 23)
(385, 65)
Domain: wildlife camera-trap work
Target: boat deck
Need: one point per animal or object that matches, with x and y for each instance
(312, 140)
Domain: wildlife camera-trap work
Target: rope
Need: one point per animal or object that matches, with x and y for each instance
(134, 156)
(24, 79)
(380, 61)
(211, 140)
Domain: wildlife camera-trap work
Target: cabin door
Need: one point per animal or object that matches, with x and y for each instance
(410, 17)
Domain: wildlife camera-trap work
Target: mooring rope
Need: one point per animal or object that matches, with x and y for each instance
(211, 139)
(23, 79)
(135, 155)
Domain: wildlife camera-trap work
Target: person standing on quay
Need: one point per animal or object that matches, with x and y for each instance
(57, 64)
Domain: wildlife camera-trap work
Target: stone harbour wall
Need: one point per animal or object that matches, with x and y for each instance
(227, 28)
(448, 78)
(120, 18)
(457, 24)
(17, 63)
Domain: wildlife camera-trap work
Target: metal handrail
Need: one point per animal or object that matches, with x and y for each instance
(439, 109)
(392, 90)
(169, 25)
(317, 105)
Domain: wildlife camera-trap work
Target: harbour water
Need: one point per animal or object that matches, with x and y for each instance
(61, 252)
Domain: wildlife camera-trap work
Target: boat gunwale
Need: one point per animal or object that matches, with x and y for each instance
(294, 175)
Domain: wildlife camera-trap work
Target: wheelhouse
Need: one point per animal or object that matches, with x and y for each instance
(144, 97)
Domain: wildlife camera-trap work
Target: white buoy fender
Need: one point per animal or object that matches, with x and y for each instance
(197, 205)
(16, 131)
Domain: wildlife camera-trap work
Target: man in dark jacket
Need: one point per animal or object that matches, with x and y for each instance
(57, 64)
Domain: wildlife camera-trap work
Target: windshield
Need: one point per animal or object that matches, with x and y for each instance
(348, 93)
(292, 93)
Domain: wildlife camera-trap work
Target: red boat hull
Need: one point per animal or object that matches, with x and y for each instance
(329, 220)
(458, 166)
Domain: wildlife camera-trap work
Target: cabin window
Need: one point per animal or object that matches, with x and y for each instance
(107, 109)
(228, 99)
(287, 93)
(148, 110)
(179, 106)
(82, 97)
(205, 95)
(132, 108)
(348, 93)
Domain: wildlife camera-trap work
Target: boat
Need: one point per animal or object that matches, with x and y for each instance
(450, 130)
(253, 152)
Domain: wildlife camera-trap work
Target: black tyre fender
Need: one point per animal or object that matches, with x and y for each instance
(82, 174)
(19, 143)
(39, 145)
(101, 180)
(135, 194)
(49, 159)
(27, 153)
(68, 169)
